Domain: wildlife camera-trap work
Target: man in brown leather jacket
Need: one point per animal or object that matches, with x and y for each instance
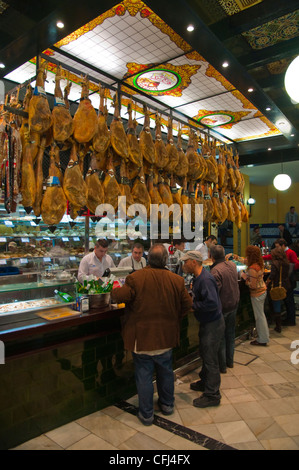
(156, 300)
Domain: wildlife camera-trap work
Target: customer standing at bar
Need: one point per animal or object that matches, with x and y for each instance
(226, 276)
(254, 278)
(156, 300)
(207, 310)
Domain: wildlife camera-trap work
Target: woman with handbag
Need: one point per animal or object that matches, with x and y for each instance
(279, 283)
(254, 278)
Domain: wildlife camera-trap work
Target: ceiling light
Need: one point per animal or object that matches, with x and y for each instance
(291, 80)
(282, 182)
(292, 135)
(269, 148)
(250, 90)
(268, 109)
(60, 24)
(225, 64)
(284, 126)
(2, 66)
(190, 28)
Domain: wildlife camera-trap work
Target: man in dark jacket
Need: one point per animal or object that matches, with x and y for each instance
(207, 310)
(156, 300)
(226, 276)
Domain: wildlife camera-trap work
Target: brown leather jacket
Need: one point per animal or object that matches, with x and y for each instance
(156, 300)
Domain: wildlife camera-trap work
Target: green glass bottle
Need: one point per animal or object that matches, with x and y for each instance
(63, 296)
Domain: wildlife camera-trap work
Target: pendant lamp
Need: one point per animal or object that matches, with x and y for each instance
(282, 181)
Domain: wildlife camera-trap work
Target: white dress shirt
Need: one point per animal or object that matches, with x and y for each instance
(91, 265)
(202, 247)
(130, 262)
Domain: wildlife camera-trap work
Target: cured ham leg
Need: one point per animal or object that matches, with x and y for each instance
(74, 186)
(140, 192)
(146, 141)
(119, 139)
(40, 117)
(172, 151)
(182, 167)
(39, 179)
(101, 139)
(95, 190)
(111, 187)
(125, 187)
(161, 153)
(62, 120)
(54, 201)
(135, 154)
(85, 119)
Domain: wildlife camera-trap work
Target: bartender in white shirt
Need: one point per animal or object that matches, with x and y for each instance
(135, 260)
(204, 247)
(96, 262)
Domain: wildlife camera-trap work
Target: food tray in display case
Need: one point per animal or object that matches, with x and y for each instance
(31, 305)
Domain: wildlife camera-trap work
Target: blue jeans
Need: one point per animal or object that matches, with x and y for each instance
(145, 366)
(227, 345)
(210, 336)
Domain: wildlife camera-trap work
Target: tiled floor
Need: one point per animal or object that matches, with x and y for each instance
(259, 410)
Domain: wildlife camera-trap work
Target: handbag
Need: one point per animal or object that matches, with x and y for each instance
(278, 293)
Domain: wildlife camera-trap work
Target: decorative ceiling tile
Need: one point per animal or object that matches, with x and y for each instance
(130, 46)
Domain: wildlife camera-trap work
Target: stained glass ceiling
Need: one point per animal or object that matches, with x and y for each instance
(131, 47)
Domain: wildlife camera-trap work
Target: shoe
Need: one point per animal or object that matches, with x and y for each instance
(166, 410)
(198, 386)
(145, 421)
(278, 329)
(223, 371)
(205, 402)
(230, 366)
(256, 343)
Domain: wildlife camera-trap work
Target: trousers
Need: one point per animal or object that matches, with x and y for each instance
(210, 336)
(227, 345)
(260, 318)
(145, 366)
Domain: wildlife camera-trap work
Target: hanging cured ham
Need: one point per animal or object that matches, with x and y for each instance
(224, 209)
(54, 202)
(111, 187)
(40, 117)
(140, 192)
(222, 171)
(182, 167)
(119, 139)
(74, 186)
(209, 208)
(39, 179)
(165, 194)
(135, 155)
(161, 153)
(217, 215)
(153, 189)
(101, 139)
(10, 160)
(62, 119)
(212, 170)
(176, 196)
(194, 168)
(85, 119)
(146, 141)
(124, 185)
(172, 151)
(232, 182)
(95, 190)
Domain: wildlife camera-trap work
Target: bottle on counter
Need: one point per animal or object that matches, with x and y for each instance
(63, 296)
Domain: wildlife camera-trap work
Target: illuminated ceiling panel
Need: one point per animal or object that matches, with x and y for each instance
(131, 45)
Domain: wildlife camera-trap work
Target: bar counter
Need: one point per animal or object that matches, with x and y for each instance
(58, 371)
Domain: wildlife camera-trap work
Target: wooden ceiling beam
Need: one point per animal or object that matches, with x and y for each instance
(278, 51)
